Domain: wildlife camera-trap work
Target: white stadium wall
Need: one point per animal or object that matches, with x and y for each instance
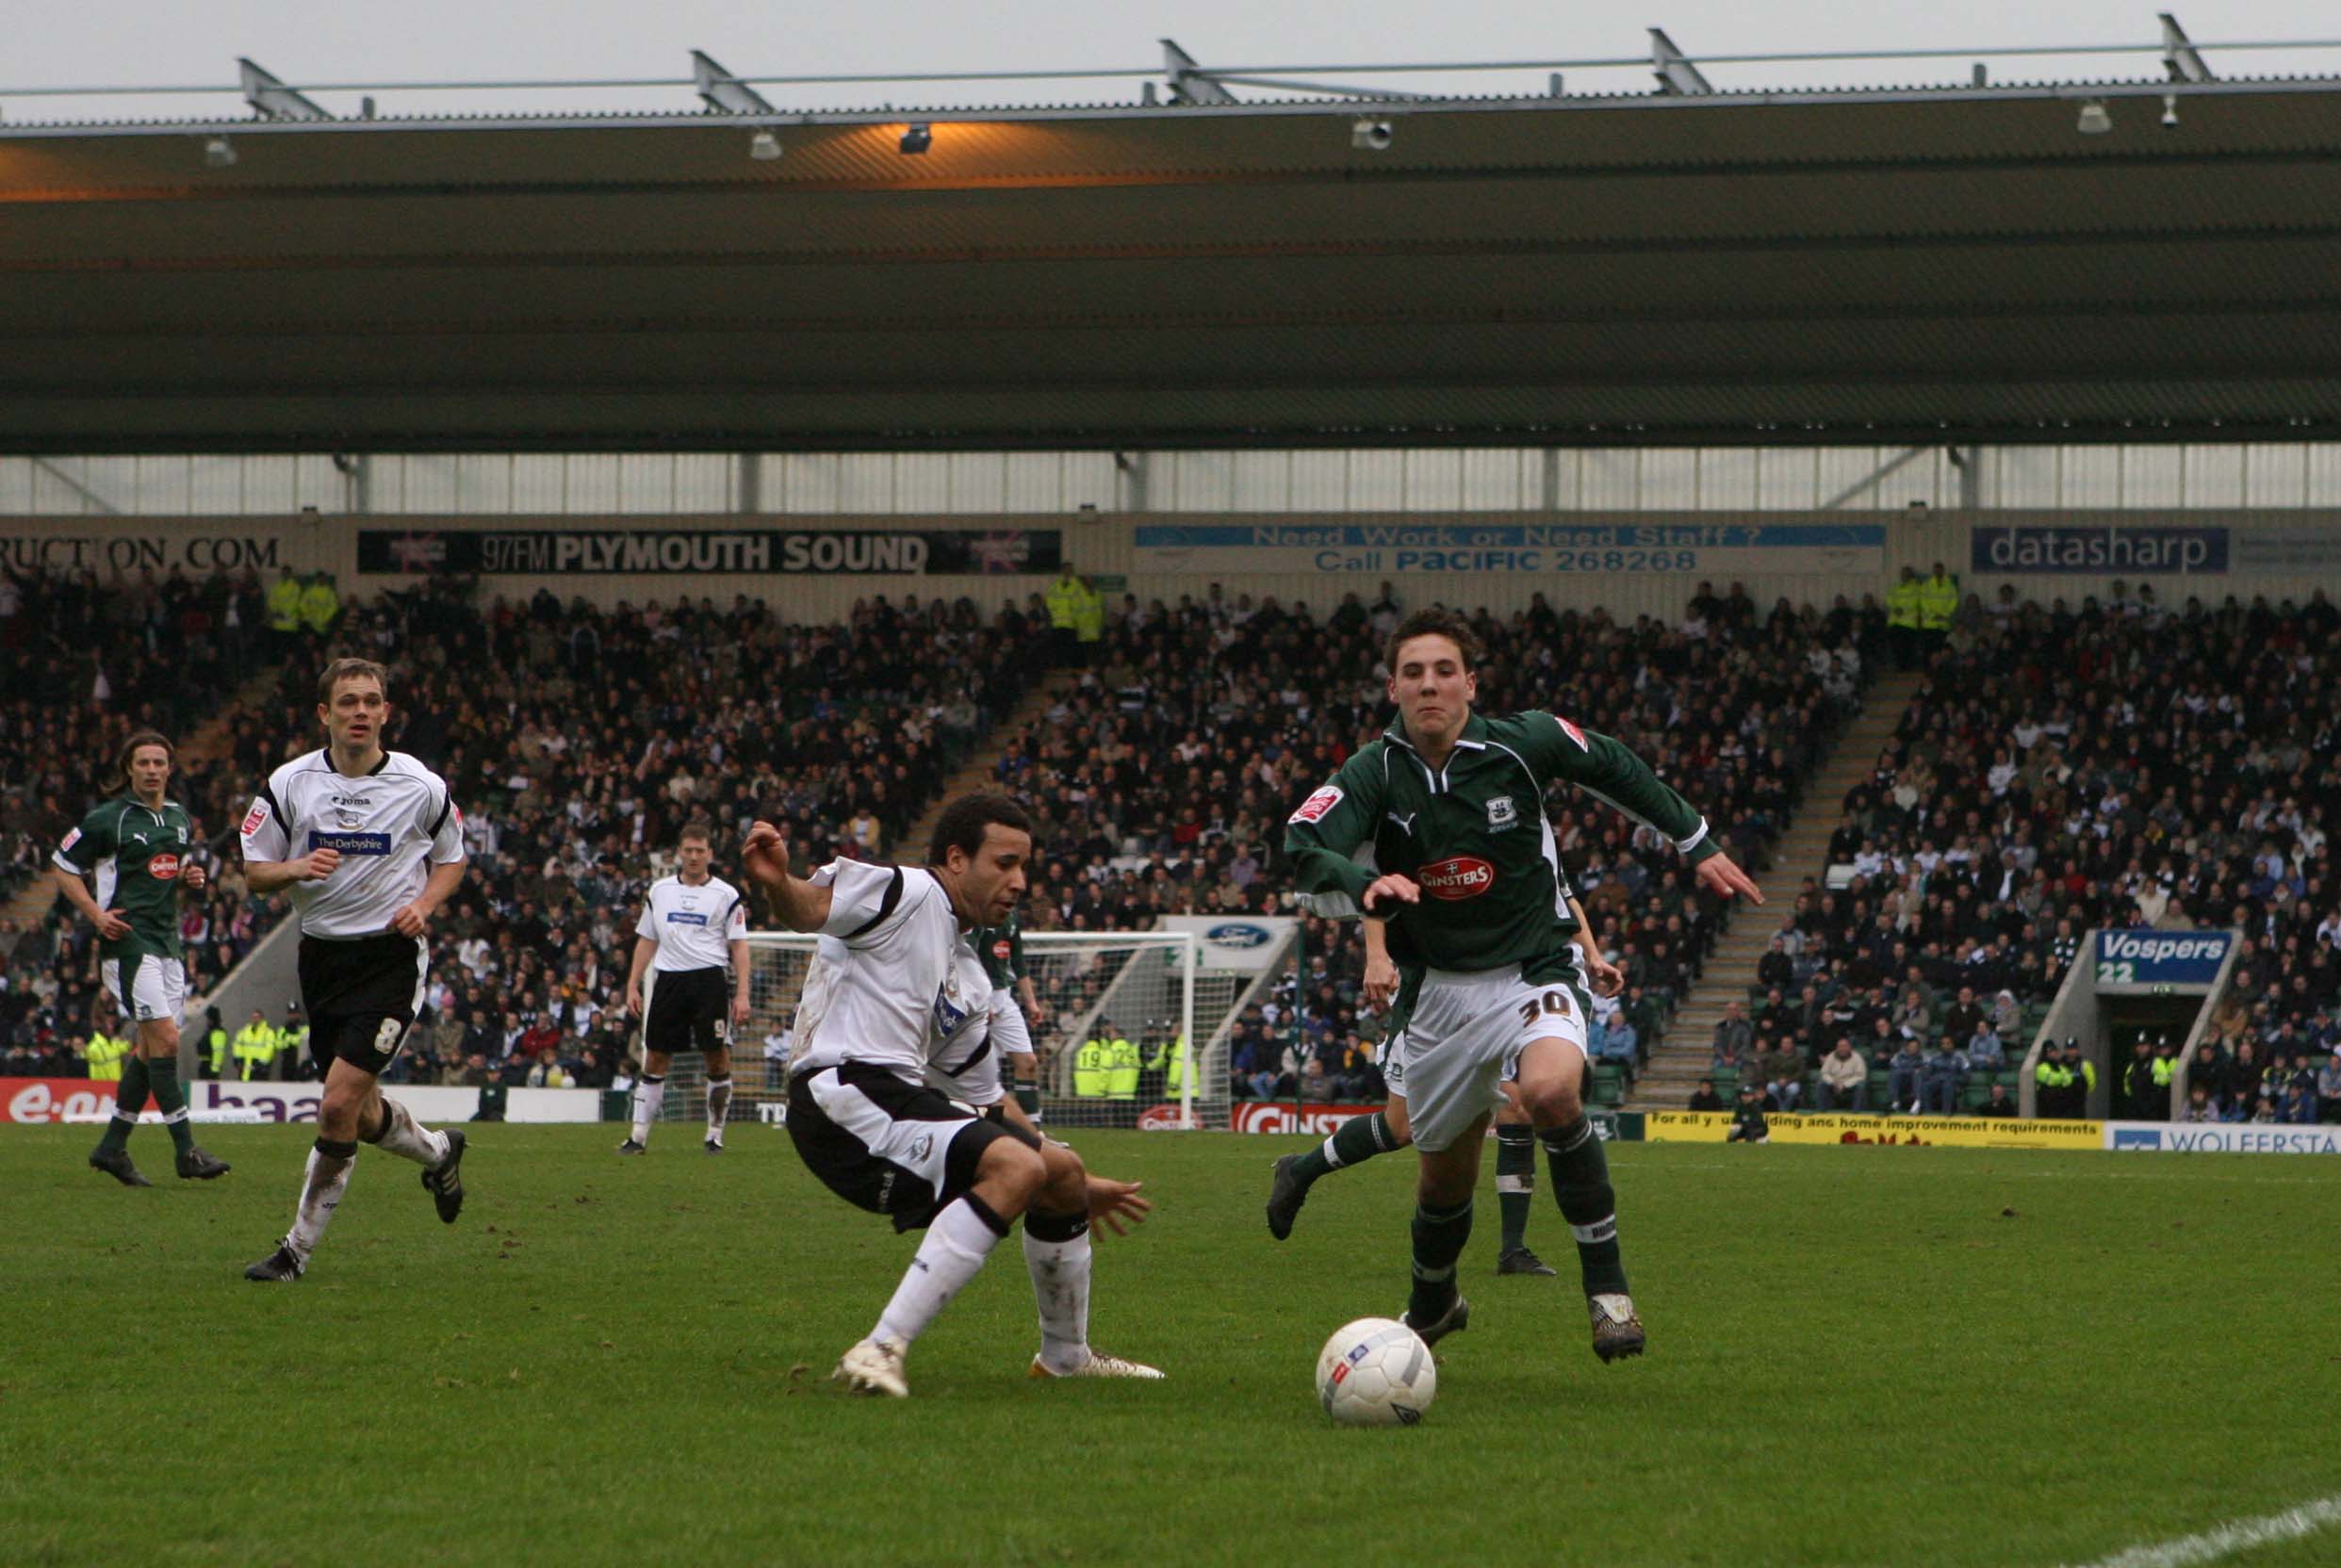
(1629, 562)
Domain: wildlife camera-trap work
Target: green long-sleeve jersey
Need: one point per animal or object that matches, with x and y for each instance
(1474, 836)
(136, 851)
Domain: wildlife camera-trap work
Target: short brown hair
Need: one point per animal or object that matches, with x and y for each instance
(699, 828)
(351, 669)
(965, 820)
(143, 737)
(1435, 622)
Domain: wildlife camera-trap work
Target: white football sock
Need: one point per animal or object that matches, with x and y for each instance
(1060, 1287)
(409, 1140)
(718, 1104)
(321, 1187)
(955, 1247)
(649, 1094)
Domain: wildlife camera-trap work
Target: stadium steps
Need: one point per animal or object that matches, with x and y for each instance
(977, 770)
(1678, 1064)
(30, 904)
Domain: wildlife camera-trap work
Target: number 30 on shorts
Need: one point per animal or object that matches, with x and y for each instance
(1554, 1003)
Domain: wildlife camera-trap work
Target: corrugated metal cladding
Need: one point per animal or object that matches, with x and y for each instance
(2191, 476)
(1626, 272)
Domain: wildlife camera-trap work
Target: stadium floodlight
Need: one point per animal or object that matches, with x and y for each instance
(1372, 135)
(916, 140)
(763, 147)
(218, 152)
(2094, 120)
(2169, 111)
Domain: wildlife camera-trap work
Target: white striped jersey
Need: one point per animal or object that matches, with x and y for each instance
(892, 981)
(968, 1066)
(693, 927)
(388, 824)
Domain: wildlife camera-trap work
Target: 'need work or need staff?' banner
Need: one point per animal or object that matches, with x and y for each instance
(691, 552)
(1753, 549)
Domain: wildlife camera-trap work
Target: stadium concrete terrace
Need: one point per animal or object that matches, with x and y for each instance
(1945, 265)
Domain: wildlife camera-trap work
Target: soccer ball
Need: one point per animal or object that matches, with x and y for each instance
(1376, 1372)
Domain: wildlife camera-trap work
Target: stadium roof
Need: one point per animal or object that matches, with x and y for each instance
(1929, 265)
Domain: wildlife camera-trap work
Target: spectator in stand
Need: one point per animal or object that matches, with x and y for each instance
(1982, 1049)
(1704, 1098)
(2328, 1089)
(2200, 1106)
(1845, 1078)
(1943, 1078)
(1903, 1073)
(1734, 1035)
(1996, 1101)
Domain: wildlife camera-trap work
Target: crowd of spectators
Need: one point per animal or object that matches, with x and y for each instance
(2110, 763)
(577, 742)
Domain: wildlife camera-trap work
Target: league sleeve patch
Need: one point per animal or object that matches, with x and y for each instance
(1572, 732)
(71, 838)
(254, 818)
(1314, 807)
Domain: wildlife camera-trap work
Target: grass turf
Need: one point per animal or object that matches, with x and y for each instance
(1859, 1355)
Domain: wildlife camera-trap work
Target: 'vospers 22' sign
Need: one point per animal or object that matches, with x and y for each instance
(693, 553)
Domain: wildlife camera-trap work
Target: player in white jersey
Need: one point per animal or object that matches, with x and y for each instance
(896, 988)
(369, 844)
(693, 924)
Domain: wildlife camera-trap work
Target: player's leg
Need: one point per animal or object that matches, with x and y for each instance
(163, 998)
(327, 1176)
(718, 1051)
(1058, 1256)
(1355, 1141)
(1006, 1173)
(1515, 1190)
(1442, 1225)
(649, 1094)
(1457, 1049)
(113, 1153)
(1550, 1079)
(1023, 1075)
(903, 1149)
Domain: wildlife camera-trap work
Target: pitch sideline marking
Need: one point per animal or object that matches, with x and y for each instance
(2291, 1525)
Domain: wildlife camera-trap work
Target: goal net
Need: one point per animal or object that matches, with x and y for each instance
(1148, 988)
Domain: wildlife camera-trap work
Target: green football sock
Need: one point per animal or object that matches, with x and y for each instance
(1439, 1237)
(162, 1074)
(1515, 1182)
(129, 1100)
(1580, 1178)
(1361, 1137)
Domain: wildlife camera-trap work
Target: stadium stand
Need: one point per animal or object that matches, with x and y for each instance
(2064, 766)
(846, 730)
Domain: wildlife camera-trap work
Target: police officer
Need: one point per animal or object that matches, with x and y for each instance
(215, 1044)
(104, 1053)
(1121, 1078)
(284, 612)
(1902, 619)
(1093, 1066)
(1938, 600)
(255, 1047)
(292, 1046)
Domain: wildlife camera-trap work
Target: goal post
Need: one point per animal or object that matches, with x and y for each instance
(1155, 988)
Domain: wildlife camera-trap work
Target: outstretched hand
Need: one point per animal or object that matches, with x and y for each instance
(1115, 1205)
(1718, 875)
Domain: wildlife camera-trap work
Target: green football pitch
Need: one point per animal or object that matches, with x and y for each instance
(1857, 1355)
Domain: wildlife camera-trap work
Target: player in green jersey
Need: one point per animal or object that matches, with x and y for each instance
(1002, 950)
(1386, 1131)
(1468, 875)
(136, 845)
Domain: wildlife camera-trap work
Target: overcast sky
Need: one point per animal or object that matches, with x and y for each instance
(150, 42)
